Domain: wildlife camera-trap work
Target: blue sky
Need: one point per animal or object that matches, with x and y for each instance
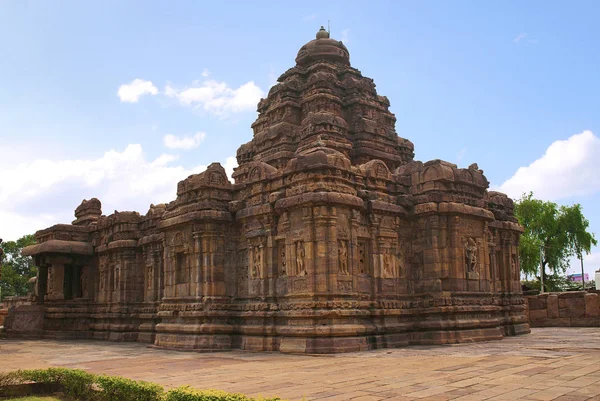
(497, 83)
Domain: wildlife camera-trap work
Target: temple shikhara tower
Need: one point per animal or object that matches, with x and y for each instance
(331, 238)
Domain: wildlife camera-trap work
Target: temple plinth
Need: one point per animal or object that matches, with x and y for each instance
(331, 238)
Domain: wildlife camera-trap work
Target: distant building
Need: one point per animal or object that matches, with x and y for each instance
(577, 277)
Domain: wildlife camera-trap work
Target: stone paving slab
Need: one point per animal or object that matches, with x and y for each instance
(549, 364)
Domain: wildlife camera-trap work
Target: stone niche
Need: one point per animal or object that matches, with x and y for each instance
(331, 238)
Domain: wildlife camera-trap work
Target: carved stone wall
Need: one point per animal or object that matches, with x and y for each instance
(332, 238)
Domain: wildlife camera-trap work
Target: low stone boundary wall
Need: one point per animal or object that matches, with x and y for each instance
(564, 309)
(3, 314)
(7, 302)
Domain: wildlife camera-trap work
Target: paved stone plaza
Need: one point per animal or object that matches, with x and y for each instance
(550, 364)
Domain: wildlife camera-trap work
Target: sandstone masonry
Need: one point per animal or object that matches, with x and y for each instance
(331, 239)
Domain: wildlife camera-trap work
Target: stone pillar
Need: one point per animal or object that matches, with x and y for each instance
(457, 274)
(198, 273)
(435, 269)
(493, 265)
(56, 278)
(164, 279)
(213, 269)
(75, 277)
(309, 252)
(322, 261)
(42, 283)
(151, 272)
(353, 246)
(379, 273)
(515, 264)
(86, 279)
(159, 271)
(504, 262)
(431, 267)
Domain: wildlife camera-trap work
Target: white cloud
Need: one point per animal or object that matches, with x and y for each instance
(131, 93)
(523, 38)
(230, 164)
(205, 72)
(186, 142)
(591, 263)
(217, 97)
(39, 193)
(344, 36)
(272, 77)
(15, 225)
(519, 37)
(460, 155)
(568, 168)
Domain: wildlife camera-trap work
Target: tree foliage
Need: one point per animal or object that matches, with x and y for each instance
(16, 268)
(560, 231)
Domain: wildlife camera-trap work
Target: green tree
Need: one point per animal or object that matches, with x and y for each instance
(580, 239)
(16, 268)
(559, 231)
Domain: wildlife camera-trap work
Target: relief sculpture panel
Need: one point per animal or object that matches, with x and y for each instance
(328, 237)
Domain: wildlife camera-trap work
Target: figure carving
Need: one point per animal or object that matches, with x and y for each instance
(282, 256)
(362, 257)
(149, 275)
(216, 179)
(471, 254)
(343, 257)
(102, 279)
(344, 286)
(514, 265)
(256, 262)
(300, 256)
(50, 280)
(388, 264)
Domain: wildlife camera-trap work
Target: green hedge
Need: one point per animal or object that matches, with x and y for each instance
(84, 386)
(75, 383)
(191, 394)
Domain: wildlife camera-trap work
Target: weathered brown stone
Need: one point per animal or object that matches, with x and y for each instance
(3, 314)
(592, 307)
(331, 239)
(538, 303)
(552, 304)
(565, 309)
(535, 314)
(573, 307)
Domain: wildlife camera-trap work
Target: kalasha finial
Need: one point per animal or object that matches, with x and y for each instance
(322, 34)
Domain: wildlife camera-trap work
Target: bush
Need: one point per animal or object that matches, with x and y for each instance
(120, 389)
(190, 394)
(10, 379)
(74, 382)
(84, 386)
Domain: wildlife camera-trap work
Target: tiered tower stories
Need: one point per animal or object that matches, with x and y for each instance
(331, 239)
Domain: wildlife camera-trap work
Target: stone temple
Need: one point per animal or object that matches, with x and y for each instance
(331, 238)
